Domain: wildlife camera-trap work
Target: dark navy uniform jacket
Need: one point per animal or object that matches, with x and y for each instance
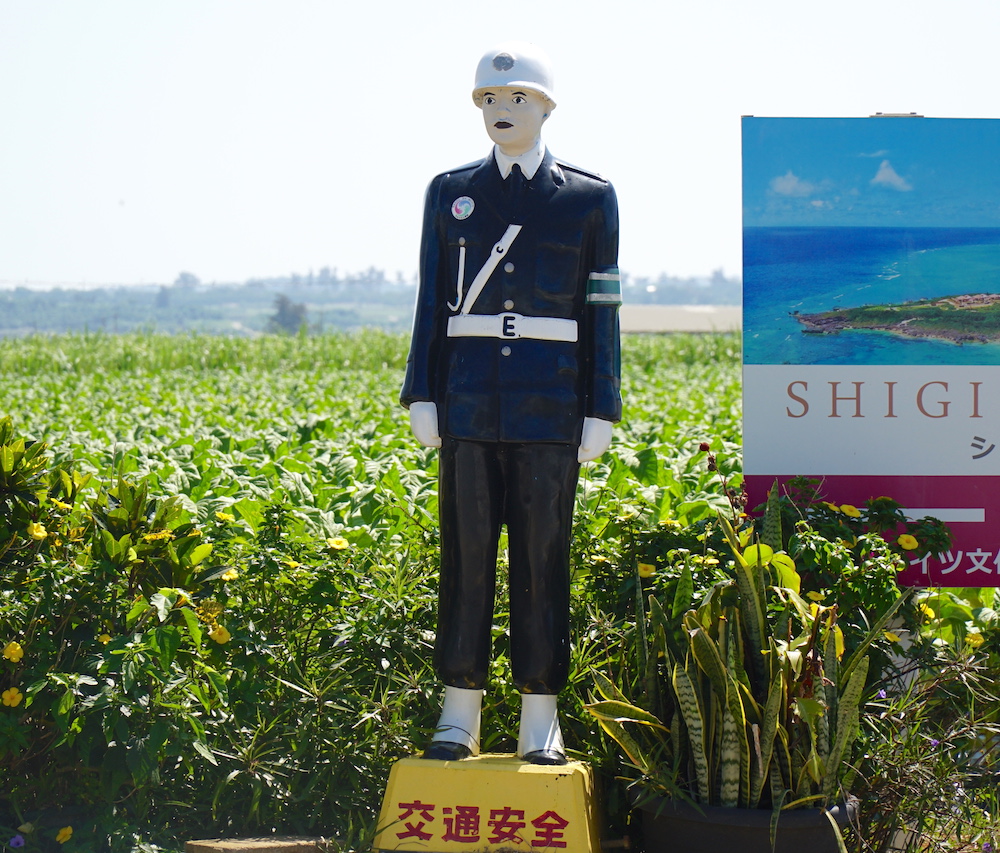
(562, 264)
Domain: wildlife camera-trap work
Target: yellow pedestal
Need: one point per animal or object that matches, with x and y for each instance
(488, 804)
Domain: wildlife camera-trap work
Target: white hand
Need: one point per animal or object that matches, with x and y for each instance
(424, 423)
(596, 439)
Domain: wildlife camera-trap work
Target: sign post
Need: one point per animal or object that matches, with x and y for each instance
(872, 321)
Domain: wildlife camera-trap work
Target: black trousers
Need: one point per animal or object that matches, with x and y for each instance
(531, 488)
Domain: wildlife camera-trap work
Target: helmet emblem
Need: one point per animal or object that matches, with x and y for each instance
(503, 62)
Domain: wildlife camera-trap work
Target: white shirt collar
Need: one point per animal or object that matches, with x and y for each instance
(529, 161)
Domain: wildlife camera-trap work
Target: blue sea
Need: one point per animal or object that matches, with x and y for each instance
(810, 270)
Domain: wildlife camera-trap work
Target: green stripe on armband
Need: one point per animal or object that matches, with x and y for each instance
(605, 288)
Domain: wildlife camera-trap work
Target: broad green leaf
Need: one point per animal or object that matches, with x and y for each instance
(785, 567)
(758, 555)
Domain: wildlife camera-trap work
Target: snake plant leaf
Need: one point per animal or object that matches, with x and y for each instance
(775, 815)
(848, 722)
(623, 712)
(735, 671)
(607, 688)
(841, 846)
(732, 539)
(768, 731)
(694, 718)
(729, 761)
(752, 609)
(832, 651)
(617, 732)
(706, 653)
(734, 757)
(771, 534)
(658, 622)
(781, 763)
(684, 594)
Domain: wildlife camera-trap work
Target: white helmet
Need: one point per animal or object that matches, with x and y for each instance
(514, 63)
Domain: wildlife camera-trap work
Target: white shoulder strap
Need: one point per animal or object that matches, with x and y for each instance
(492, 262)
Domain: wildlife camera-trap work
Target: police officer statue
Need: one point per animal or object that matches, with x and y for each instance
(514, 373)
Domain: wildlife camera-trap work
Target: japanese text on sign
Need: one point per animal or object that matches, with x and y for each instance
(465, 824)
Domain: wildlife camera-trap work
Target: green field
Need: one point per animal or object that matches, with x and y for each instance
(218, 566)
(291, 458)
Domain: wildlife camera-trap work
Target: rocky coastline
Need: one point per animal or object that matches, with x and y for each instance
(834, 322)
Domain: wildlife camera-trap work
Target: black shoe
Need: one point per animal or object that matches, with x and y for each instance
(547, 757)
(446, 750)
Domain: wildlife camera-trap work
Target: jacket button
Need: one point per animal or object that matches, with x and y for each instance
(508, 304)
(505, 351)
(508, 267)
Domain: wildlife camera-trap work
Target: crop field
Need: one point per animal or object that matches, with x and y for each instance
(232, 630)
(226, 424)
(218, 563)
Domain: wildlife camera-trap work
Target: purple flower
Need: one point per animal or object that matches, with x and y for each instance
(882, 694)
(17, 841)
(987, 847)
(934, 741)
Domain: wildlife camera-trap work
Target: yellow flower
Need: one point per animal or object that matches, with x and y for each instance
(230, 575)
(13, 651)
(156, 537)
(646, 570)
(891, 637)
(220, 634)
(975, 640)
(831, 506)
(907, 542)
(338, 543)
(208, 610)
(37, 531)
(852, 511)
(64, 834)
(12, 697)
(60, 505)
(292, 564)
(225, 516)
(104, 638)
(927, 611)
(815, 596)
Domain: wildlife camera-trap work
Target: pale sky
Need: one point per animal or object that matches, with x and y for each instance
(245, 138)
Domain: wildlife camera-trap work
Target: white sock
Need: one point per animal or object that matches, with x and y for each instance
(539, 724)
(460, 716)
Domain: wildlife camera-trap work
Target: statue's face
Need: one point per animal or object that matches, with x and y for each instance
(514, 118)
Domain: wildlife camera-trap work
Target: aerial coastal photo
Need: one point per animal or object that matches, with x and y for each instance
(871, 241)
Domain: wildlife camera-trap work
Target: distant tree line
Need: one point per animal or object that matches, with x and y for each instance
(316, 302)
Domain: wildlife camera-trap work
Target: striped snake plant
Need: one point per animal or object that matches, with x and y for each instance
(749, 699)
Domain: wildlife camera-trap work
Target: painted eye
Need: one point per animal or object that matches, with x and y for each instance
(489, 99)
(520, 99)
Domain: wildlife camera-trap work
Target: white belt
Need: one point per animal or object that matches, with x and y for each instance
(511, 326)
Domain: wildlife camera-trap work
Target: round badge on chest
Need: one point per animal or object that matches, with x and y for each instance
(461, 208)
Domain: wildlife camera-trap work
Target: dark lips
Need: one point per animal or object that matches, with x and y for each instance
(503, 124)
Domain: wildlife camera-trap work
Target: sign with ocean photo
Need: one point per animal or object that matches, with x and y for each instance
(871, 320)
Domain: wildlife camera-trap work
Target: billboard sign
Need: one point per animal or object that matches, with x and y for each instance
(871, 320)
